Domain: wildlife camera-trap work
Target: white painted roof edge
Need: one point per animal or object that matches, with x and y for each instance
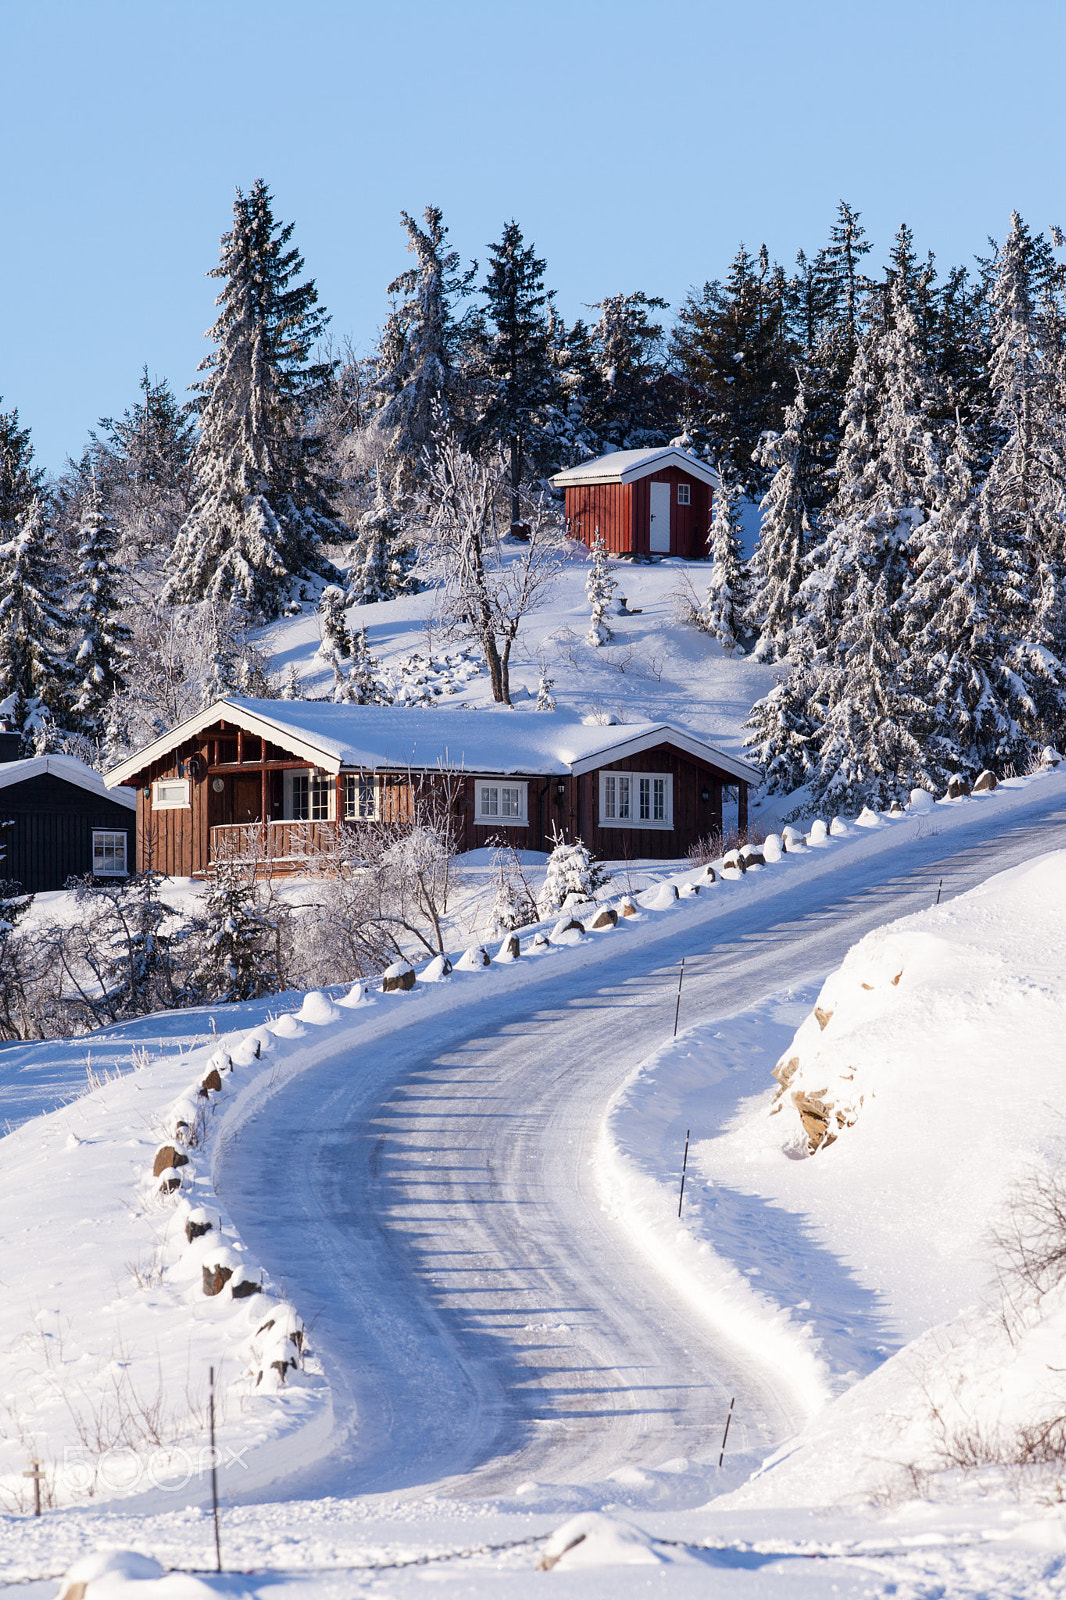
(227, 711)
(600, 471)
(666, 733)
(69, 768)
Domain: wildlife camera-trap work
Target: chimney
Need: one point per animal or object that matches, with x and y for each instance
(10, 745)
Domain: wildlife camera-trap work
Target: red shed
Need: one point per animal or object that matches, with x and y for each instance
(644, 502)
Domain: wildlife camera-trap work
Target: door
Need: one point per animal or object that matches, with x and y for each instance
(247, 797)
(659, 535)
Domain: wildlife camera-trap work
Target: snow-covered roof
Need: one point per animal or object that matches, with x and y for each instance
(396, 738)
(623, 466)
(69, 768)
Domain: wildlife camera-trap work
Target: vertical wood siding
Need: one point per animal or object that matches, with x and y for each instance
(607, 506)
(52, 839)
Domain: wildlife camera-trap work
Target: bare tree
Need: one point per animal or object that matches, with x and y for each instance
(484, 590)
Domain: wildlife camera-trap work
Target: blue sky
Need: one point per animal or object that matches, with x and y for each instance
(635, 144)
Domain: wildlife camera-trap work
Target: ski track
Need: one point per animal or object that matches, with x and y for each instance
(429, 1205)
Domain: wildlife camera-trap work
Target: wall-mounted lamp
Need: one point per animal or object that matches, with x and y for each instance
(705, 794)
(560, 788)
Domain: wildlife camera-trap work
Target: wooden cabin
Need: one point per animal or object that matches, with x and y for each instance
(279, 780)
(58, 820)
(644, 502)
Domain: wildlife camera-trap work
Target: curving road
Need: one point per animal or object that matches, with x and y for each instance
(430, 1203)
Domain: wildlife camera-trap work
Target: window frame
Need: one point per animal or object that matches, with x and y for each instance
(611, 799)
(159, 804)
(355, 784)
(307, 774)
(684, 494)
(486, 819)
(112, 871)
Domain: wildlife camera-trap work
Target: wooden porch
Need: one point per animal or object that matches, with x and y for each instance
(275, 844)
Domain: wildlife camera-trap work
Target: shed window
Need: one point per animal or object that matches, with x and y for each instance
(500, 802)
(684, 494)
(169, 794)
(361, 797)
(308, 797)
(636, 800)
(109, 854)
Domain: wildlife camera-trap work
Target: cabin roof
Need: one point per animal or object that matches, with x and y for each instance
(69, 768)
(398, 738)
(624, 466)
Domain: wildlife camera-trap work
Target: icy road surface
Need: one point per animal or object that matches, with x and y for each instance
(429, 1204)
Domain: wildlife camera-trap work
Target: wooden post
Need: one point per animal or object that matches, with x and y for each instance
(36, 1474)
(742, 807)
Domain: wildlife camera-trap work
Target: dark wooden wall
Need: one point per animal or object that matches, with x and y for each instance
(607, 506)
(52, 839)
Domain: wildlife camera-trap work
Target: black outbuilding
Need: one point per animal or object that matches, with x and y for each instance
(58, 820)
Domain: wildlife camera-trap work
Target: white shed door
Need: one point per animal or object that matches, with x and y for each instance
(659, 541)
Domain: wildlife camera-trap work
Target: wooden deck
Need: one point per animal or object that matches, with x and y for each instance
(277, 845)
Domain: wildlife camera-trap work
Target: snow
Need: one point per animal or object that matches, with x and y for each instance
(492, 1370)
(624, 466)
(70, 769)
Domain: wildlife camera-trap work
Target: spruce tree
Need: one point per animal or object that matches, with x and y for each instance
(100, 663)
(261, 510)
(723, 608)
(624, 405)
(32, 627)
(415, 362)
(383, 552)
(785, 726)
(776, 567)
(238, 956)
(20, 480)
(516, 369)
(599, 589)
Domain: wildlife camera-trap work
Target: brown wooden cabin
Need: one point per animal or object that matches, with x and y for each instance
(59, 821)
(644, 502)
(278, 780)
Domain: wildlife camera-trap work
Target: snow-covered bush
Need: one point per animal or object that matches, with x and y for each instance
(513, 904)
(599, 590)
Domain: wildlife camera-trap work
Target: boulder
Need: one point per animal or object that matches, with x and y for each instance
(1049, 757)
(606, 917)
(197, 1223)
(182, 1131)
(477, 956)
(818, 833)
(166, 1157)
(838, 828)
(401, 975)
(895, 809)
(169, 1181)
(215, 1277)
(563, 928)
(212, 1081)
(792, 839)
(734, 861)
(688, 891)
(627, 906)
(709, 875)
(510, 949)
(957, 787)
(245, 1288)
(752, 856)
(985, 782)
(541, 941)
(440, 967)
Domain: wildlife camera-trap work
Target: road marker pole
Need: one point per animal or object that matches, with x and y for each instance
(725, 1435)
(36, 1474)
(684, 1165)
(940, 885)
(214, 1466)
(677, 1008)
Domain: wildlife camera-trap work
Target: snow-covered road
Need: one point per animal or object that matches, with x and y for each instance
(429, 1204)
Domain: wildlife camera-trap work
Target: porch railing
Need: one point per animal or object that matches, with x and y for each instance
(274, 843)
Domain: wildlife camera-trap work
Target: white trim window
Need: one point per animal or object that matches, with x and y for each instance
(109, 854)
(684, 494)
(501, 802)
(636, 800)
(170, 794)
(362, 797)
(308, 796)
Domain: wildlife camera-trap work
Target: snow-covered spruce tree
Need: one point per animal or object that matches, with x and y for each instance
(513, 905)
(415, 359)
(571, 877)
(335, 636)
(237, 957)
(32, 628)
(775, 571)
(724, 605)
(1023, 512)
(261, 510)
(957, 655)
(20, 480)
(624, 405)
(599, 591)
(545, 686)
(100, 653)
(383, 551)
(293, 688)
(785, 727)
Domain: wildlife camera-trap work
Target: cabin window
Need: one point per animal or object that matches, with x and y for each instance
(109, 854)
(308, 797)
(362, 797)
(500, 802)
(170, 794)
(684, 494)
(636, 800)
